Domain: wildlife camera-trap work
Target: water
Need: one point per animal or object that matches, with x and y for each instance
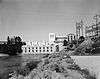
(11, 63)
(14, 61)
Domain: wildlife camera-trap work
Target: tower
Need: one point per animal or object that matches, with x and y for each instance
(52, 37)
(79, 29)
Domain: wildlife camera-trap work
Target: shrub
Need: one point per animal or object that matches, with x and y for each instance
(74, 67)
(25, 70)
(31, 65)
(87, 74)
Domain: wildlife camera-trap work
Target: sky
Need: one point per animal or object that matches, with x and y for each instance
(35, 19)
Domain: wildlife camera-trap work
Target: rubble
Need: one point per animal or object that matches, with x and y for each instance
(54, 66)
(81, 49)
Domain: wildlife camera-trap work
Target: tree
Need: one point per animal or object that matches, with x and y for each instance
(8, 40)
(18, 39)
(65, 43)
(81, 39)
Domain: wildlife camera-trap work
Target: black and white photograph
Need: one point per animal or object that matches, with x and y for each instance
(49, 39)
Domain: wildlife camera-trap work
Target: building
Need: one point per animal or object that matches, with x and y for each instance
(58, 39)
(90, 31)
(38, 47)
(3, 42)
(55, 44)
(94, 29)
(71, 37)
(79, 29)
(52, 38)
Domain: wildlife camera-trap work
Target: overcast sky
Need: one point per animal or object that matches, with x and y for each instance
(35, 19)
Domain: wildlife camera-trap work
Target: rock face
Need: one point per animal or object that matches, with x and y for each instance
(54, 66)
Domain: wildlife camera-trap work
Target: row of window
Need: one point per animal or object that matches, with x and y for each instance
(41, 48)
(29, 50)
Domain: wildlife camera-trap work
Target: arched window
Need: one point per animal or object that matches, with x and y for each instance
(32, 47)
(43, 50)
(36, 50)
(43, 47)
(47, 47)
(47, 50)
(29, 49)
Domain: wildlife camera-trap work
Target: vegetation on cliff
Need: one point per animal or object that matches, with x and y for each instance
(90, 46)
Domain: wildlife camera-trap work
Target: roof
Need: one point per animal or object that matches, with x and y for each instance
(2, 42)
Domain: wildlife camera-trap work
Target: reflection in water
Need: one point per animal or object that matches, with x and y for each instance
(13, 62)
(8, 64)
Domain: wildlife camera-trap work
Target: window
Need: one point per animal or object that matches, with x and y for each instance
(43, 50)
(32, 50)
(32, 47)
(47, 47)
(47, 50)
(51, 50)
(29, 49)
(40, 50)
(39, 47)
(36, 50)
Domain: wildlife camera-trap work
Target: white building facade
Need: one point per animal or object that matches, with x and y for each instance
(38, 47)
(54, 45)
